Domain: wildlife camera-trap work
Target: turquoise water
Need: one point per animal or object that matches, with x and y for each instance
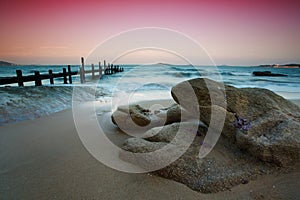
(159, 78)
(154, 81)
(136, 83)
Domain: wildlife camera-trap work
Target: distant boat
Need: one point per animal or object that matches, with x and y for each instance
(266, 73)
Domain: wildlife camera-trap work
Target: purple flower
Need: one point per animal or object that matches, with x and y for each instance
(242, 124)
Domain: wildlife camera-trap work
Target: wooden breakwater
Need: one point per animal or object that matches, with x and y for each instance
(66, 74)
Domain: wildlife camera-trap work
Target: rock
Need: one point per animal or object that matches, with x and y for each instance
(175, 138)
(138, 145)
(266, 73)
(174, 114)
(146, 154)
(136, 118)
(272, 139)
(275, 132)
(139, 115)
(167, 133)
(227, 129)
(132, 119)
(219, 171)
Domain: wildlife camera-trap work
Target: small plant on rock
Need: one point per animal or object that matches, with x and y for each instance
(241, 123)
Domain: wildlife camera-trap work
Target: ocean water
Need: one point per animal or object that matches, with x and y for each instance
(156, 81)
(136, 83)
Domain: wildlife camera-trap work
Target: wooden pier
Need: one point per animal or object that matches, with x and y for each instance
(66, 74)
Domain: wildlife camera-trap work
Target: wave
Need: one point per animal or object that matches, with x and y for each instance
(182, 74)
(294, 75)
(185, 68)
(270, 80)
(30, 102)
(154, 86)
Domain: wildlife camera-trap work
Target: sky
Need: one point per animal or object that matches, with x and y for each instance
(236, 32)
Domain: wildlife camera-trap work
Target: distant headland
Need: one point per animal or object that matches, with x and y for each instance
(4, 63)
(281, 66)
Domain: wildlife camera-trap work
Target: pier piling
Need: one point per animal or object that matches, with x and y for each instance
(66, 74)
(20, 77)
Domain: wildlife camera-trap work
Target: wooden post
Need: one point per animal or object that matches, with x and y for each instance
(82, 71)
(104, 66)
(70, 74)
(38, 81)
(100, 70)
(65, 75)
(81, 75)
(51, 77)
(93, 71)
(20, 78)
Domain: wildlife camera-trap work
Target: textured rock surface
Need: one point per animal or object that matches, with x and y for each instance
(273, 137)
(275, 133)
(136, 113)
(222, 169)
(135, 117)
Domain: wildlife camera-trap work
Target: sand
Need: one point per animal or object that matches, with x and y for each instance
(45, 159)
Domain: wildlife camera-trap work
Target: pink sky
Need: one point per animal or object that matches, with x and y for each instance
(237, 32)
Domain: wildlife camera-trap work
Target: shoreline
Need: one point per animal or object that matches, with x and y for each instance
(24, 107)
(44, 157)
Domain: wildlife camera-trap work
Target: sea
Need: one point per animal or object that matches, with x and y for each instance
(136, 83)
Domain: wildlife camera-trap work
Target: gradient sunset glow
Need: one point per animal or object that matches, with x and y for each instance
(233, 32)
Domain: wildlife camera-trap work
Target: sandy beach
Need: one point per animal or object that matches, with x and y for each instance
(149, 100)
(45, 159)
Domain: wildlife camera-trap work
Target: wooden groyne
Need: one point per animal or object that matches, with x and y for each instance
(66, 74)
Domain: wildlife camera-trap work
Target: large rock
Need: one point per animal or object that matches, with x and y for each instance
(275, 132)
(222, 169)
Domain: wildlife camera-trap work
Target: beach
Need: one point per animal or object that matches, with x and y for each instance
(42, 155)
(154, 100)
(45, 159)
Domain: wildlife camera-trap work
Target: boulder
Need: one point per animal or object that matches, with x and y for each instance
(275, 121)
(222, 169)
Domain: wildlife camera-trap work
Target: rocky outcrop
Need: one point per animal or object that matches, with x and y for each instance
(275, 133)
(136, 118)
(266, 73)
(222, 169)
(254, 123)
